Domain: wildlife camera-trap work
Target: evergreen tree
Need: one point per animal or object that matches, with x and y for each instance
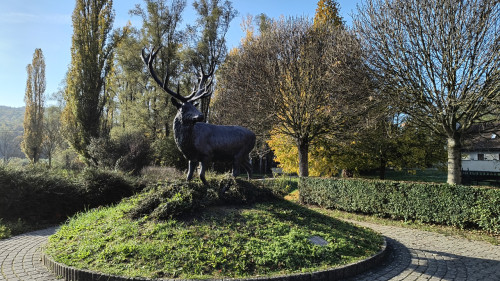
(34, 99)
(327, 12)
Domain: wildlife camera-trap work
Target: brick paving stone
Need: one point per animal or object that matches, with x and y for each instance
(421, 255)
(20, 257)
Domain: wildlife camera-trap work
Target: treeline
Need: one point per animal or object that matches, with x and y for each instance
(393, 90)
(324, 98)
(110, 113)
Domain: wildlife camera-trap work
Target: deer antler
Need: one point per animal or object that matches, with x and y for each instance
(148, 60)
(204, 89)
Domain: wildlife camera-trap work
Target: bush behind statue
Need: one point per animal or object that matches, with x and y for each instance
(127, 151)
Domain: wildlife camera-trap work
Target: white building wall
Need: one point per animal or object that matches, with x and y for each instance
(491, 162)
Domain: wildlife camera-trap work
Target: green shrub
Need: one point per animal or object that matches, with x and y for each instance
(127, 151)
(455, 205)
(282, 185)
(168, 200)
(15, 227)
(364, 196)
(4, 230)
(165, 153)
(487, 210)
(35, 193)
(103, 187)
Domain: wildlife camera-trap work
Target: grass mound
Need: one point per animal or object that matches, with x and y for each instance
(149, 235)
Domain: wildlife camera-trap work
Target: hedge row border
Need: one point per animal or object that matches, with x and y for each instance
(464, 207)
(337, 273)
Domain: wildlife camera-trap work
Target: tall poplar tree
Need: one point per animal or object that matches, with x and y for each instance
(91, 61)
(52, 128)
(34, 99)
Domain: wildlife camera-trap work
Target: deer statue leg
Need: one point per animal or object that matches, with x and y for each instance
(204, 165)
(192, 167)
(248, 166)
(236, 168)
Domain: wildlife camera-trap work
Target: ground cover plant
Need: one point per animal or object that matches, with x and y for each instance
(162, 238)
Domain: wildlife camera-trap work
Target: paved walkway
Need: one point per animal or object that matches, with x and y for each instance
(20, 258)
(415, 255)
(422, 255)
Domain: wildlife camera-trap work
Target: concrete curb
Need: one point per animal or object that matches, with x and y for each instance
(337, 273)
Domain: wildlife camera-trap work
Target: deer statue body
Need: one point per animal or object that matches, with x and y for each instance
(200, 142)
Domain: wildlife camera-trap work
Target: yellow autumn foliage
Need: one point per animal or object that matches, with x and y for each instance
(287, 154)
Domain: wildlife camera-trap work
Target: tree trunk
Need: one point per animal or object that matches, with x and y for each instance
(261, 164)
(36, 155)
(266, 164)
(454, 161)
(303, 158)
(383, 163)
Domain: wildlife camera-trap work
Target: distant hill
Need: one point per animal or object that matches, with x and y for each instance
(11, 130)
(11, 118)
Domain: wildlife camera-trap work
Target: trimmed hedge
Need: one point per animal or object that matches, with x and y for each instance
(455, 205)
(37, 194)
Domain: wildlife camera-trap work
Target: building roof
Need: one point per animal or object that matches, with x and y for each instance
(483, 138)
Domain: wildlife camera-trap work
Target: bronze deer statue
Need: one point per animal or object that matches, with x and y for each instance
(199, 141)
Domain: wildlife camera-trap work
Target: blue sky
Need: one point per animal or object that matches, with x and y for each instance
(29, 24)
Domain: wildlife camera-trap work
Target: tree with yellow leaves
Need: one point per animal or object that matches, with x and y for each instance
(321, 162)
(299, 82)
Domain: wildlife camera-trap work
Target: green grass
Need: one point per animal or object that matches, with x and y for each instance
(261, 239)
